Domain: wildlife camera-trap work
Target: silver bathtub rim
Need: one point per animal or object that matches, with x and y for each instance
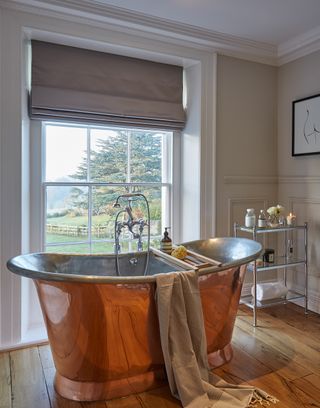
(18, 266)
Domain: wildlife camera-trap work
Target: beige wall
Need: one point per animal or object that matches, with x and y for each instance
(254, 163)
(246, 139)
(246, 145)
(299, 177)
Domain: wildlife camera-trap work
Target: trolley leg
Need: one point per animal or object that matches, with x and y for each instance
(286, 257)
(255, 294)
(254, 284)
(306, 268)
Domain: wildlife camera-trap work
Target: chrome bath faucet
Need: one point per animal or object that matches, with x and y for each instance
(130, 221)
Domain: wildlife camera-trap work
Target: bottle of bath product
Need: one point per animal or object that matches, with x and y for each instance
(290, 248)
(166, 242)
(262, 219)
(250, 218)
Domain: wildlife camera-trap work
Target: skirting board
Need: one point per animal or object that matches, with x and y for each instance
(22, 345)
(313, 299)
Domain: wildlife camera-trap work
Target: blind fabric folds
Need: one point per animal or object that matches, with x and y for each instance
(86, 85)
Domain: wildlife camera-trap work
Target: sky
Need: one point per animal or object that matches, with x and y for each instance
(63, 162)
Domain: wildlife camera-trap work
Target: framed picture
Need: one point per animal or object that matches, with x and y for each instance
(306, 126)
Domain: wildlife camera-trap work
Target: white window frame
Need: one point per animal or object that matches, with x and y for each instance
(38, 185)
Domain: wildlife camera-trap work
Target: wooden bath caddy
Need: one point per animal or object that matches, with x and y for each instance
(191, 261)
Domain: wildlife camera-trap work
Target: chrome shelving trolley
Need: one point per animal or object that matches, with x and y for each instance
(284, 262)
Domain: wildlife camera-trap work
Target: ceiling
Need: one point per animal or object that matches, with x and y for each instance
(269, 21)
(269, 31)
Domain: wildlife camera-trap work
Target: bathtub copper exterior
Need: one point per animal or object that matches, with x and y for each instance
(105, 338)
(104, 332)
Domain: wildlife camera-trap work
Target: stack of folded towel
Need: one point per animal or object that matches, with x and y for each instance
(270, 290)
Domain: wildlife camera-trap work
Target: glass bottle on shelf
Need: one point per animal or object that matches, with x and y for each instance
(262, 219)
(289, 248)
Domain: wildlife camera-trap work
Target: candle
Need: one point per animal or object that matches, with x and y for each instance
(291, 219)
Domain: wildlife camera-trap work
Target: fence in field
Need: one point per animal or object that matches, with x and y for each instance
(98, 231)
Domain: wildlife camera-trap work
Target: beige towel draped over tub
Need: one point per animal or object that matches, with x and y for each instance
(184, 349)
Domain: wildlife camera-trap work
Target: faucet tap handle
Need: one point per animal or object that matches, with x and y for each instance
(140, 245)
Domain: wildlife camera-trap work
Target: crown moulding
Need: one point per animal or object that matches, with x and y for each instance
(299, 46)
(222, 43)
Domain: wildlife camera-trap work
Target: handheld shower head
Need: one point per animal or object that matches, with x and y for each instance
(116, 203)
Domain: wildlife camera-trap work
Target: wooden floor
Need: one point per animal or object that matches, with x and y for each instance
(281, 356)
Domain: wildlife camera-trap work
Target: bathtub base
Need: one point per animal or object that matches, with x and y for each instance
(95, 391)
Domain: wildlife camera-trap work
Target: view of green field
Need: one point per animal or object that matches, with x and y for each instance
(74, 229)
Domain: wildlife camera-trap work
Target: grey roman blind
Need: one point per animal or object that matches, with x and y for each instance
(85, 85)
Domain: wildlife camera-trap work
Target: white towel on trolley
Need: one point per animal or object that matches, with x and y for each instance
(270, 290)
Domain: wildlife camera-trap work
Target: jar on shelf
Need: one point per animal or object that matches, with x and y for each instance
(268, 255)
(250, 218)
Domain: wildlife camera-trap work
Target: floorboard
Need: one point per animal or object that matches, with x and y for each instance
(28, 383)
(159, 398)
(5, 381)
(309, 386)
(269, 355)
(281, 356)
(293, 343)
(132, 401)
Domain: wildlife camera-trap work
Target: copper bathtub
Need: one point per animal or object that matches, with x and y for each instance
(103, 328)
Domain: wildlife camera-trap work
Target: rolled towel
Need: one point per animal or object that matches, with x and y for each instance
(270, 290)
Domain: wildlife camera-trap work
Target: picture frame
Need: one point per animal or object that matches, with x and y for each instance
(306, 126)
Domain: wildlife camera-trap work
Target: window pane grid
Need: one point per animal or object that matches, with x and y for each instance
(87, 197)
